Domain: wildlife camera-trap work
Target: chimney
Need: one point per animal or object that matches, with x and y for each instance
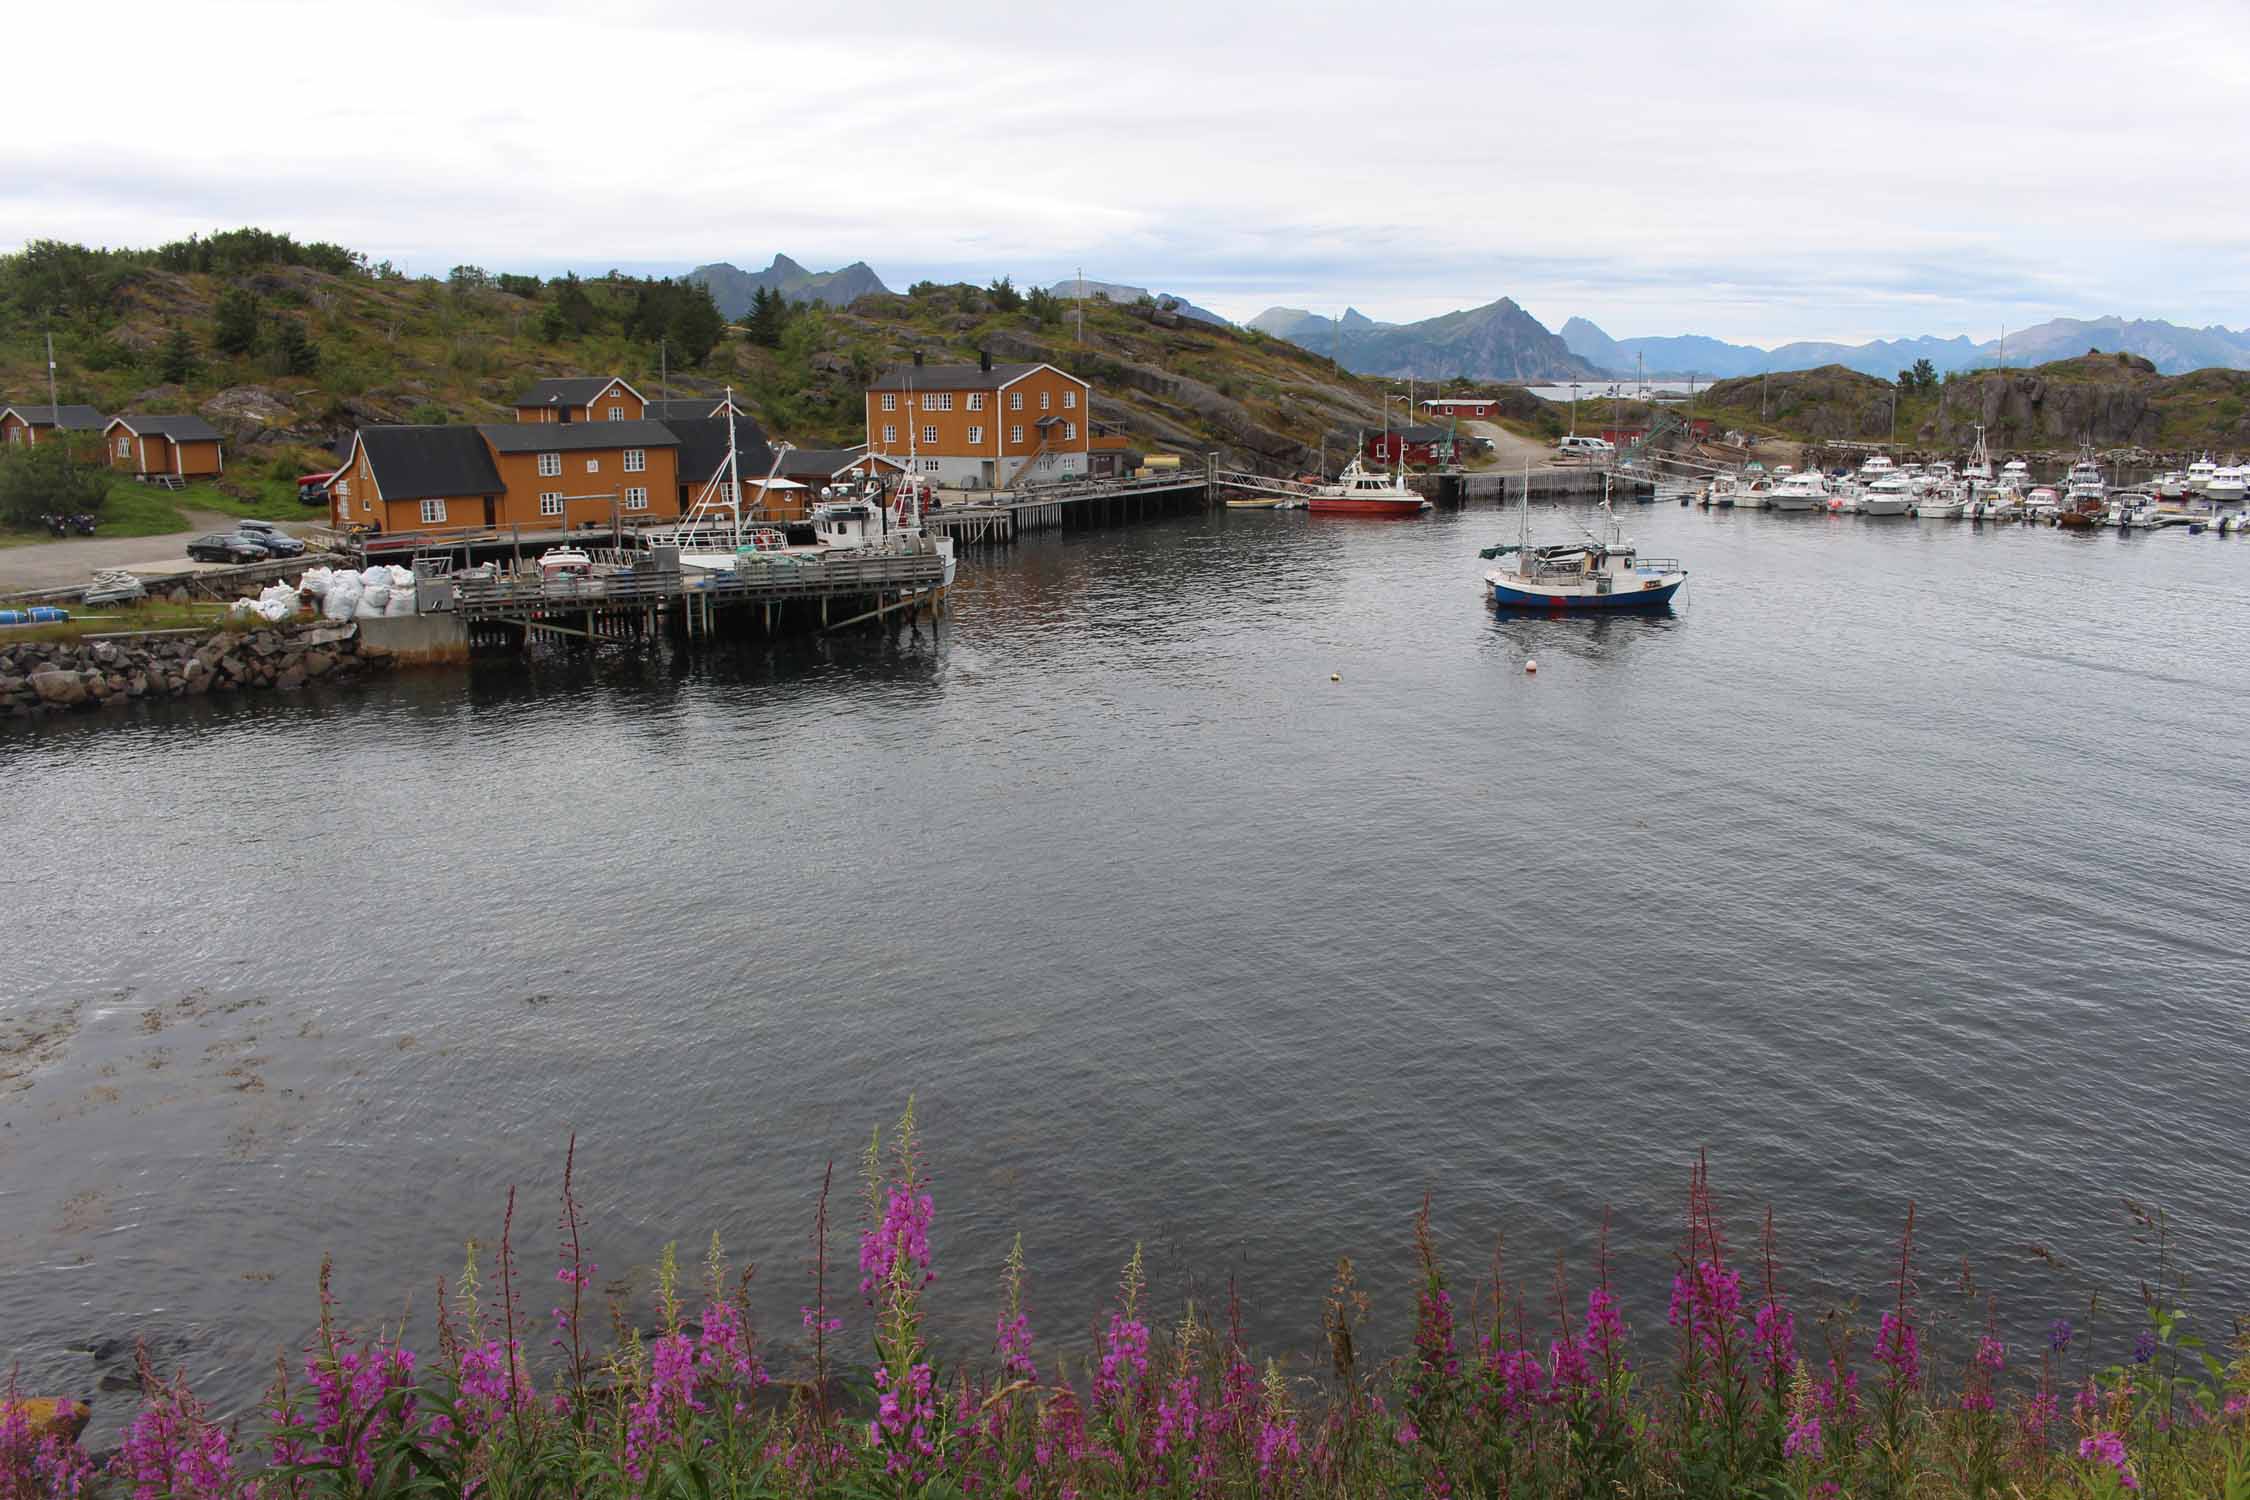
(984, 360)
(917, 359)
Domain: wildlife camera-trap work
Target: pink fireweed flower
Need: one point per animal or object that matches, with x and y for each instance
(1124, 1360)
(1277, 1443)
(1567, 1374)
(662, 1410)
(1706, 1302)
(906, 1419)
(1774, 1334)
(900, 1245)
(1522, 1381)
(48, 1464)
(1803, 1439)
(1408, 1434)
(2237, 1406)
(1177, 1411)
(1990, 1359)
(2108, 1448)
(1012, 1340)
(1433, 1340)
(1605, 1326)
(173, 1451)
(1899, 1349)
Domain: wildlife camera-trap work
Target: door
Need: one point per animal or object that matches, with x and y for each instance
(991, 473)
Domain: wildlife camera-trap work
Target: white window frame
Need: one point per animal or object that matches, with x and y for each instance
(365, 504)
(617, 414)
(636, 460)
(1015, 401)
(1046, 400)
(976, 435)
(636, 497)
(890, 401)
(433, 512)
(929, 432)
(343, 489)
(550, 502)
(976, 401)
(593, 466)
(937, 401)
(929, 466)
(550, 465)
(1070, 400)
(890, 433)
(124, 445)
(1015, 432)
(1070, 432)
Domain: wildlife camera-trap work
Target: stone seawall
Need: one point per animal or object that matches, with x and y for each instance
(40, 677)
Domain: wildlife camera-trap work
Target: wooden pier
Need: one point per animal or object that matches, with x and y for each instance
(766, 594)
(1553, 484)
(1090, 502)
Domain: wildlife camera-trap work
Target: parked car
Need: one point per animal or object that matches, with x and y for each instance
(228, 547)
(278, 542)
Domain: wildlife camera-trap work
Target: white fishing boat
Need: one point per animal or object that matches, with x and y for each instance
(2199, 473)
(1806, 491)
(1878, 466)
(2227, 488)
(1979, 466)
(2015, 474)
(1888, 496)
(1945, 504)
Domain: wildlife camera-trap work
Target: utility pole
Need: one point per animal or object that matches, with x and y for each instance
(51, 413)
(1574, 408)
(663, 369)
(1762, 374)
(1081, 304)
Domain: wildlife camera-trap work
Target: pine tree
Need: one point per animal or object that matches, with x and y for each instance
(696, 326)
(237, 332)
(294, 353)
(1005, 297)
(177, 364)
(764, 320)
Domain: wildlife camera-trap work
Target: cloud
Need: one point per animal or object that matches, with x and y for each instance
(1754, 170)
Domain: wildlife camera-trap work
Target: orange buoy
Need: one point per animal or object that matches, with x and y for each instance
(1532, 666)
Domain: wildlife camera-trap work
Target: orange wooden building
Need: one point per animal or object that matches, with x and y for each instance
(582, 398)
(585, 473)
(179, 447)
(397, 479)
(29, 424)
(982, 426)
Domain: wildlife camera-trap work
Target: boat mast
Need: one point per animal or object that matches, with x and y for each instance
(734, 472)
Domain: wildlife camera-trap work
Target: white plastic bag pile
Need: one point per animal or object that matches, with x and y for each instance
(277, 603)
(370, 594)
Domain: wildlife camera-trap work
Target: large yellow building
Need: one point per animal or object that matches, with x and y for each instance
(982, 426)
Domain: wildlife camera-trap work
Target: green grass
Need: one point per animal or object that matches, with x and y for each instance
(118, 619)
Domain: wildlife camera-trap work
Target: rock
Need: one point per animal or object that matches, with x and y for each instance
(264, 644)
(291, 677)
(10, 686)
(105, 652)
(318, 663)
(233, 668)
(136, 684)
(195, 669)
(328, 635)
(45, 1414)
(61, 688)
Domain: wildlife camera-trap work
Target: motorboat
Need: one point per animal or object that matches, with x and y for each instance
(1602, 573)
(2200, 473)
(1361, 491)
(1878, 466)
(2044, 503)
(1888, 496)
(1945, 504)
(2015, 474)
(2227, 487)
(1806, 491)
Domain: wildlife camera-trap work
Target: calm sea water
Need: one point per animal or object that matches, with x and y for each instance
(1904, 861)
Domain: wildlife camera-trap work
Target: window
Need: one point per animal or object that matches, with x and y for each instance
(550, 465)
(343, 489)
(1015, 432)
(976, 401)
(1070, 432)
(929, 434)
(365, 505)
(1046, 400)
(593, 466)
(124, 446)
(890, 433)
(550, 502)
(929, 466)
(1070, 400)
(636, 498)
(15, 434)
(1015, 401)
(890, 401)
(433, 512)
(617, 414)
(636, 460)
(726, 491)
(976, 435)
(937, 401)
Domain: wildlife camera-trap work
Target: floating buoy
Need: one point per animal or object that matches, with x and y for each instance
(1532, 666)
(1335, 677)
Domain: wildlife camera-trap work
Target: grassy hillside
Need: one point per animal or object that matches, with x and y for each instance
(286, 348)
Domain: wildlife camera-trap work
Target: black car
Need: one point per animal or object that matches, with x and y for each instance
(228, 547)
(276, 541)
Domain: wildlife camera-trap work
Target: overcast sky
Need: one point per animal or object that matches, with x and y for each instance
(1756, 171)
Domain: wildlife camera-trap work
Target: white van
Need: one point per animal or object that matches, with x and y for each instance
(1591, 446)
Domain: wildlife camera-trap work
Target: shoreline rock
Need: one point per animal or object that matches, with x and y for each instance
(43, 677)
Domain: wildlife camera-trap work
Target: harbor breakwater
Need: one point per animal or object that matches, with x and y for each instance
(43, 677)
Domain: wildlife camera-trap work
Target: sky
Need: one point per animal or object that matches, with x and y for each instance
(1755, 170)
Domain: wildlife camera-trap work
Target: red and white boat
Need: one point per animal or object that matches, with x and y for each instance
(1360, 491)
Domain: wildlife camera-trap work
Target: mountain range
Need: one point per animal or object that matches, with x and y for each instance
(2172, 349)
(1124, 295)
(1498, 341)
(732, 287)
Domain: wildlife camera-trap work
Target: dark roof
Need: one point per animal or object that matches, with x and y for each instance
(825, 463)
(1424, 434)
(703, 447)
(178, 428)
(69, 418)
(574, 437)
(568, 390)
(684, 407)
(948, 377)
(427, 463)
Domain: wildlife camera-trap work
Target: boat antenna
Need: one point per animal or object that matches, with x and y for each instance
(734, 472)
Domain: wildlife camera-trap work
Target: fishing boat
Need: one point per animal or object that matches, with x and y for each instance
(2200, 472)
(1598, 573)
(1888, 496)
(2015, 474)
(1258, 502)
(1361, 491)
(2084, 481)
(1941, 505)
(1806, 491)
(1878, 466)
(1979, 466)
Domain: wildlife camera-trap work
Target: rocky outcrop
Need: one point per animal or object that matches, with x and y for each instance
(2108, 405)
(39, 677)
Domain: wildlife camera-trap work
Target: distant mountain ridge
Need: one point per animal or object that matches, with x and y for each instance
(2172, 349)
(1124, 295)
(1498, 341)
(732, 288)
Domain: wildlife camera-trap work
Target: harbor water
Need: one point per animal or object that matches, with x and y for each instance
(1902, 861)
